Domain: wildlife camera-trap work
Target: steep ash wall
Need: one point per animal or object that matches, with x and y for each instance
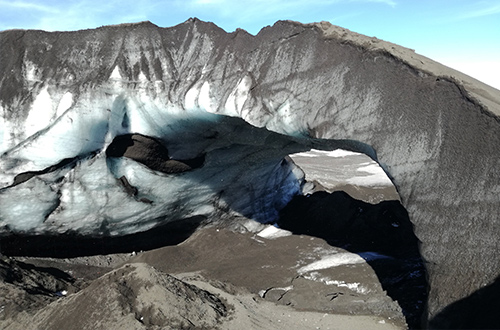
(295, 85)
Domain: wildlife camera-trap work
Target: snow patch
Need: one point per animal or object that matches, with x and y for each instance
(204, 100)
(331, 261)
(142, 77)
(31, 72)
(337, 153)
(115, 75)
(370, 174)
(236, 100)
(355, 286)
(4, 137)
(272, 232)
(64, 104)
(191, 98)
(40, 114)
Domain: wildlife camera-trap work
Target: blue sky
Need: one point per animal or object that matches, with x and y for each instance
(463, 34)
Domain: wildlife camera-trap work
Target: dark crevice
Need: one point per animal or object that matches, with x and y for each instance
(129, 189)
(23, 177)
(132, 190)
(69, 245)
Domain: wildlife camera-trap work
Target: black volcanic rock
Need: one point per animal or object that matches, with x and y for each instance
(151, 153)
(296, 86)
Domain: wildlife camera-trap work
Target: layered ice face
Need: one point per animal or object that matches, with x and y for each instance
(59, 175)
(116, 138)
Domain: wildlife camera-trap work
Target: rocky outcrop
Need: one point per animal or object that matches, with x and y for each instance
(294, 86)
(151, 153)
(131, 295)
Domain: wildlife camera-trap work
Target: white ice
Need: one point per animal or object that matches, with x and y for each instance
(89, 198)
(272, 232)
(25, 207)
(370, 174)
(334, 153)
(354, 286)
(41, 113)
(341, 167)
(236, 100)
(115, 74)
(4, 138)
(283, 120)
(331, 261)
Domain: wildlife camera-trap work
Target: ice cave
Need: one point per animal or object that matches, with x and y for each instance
(123, 129)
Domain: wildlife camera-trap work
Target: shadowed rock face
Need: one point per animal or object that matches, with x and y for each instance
(437, 136)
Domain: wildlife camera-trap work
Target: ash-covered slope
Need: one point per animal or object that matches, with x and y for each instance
(221, 111)
(129, 298)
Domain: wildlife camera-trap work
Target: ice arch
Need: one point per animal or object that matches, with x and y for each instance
(435, 130)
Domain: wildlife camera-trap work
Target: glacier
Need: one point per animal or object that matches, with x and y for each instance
(61, 159)
(87, 194)
(56, 152)
(222, 111)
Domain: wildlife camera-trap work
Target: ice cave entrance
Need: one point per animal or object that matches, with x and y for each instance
(355, 173)
(381, 233)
